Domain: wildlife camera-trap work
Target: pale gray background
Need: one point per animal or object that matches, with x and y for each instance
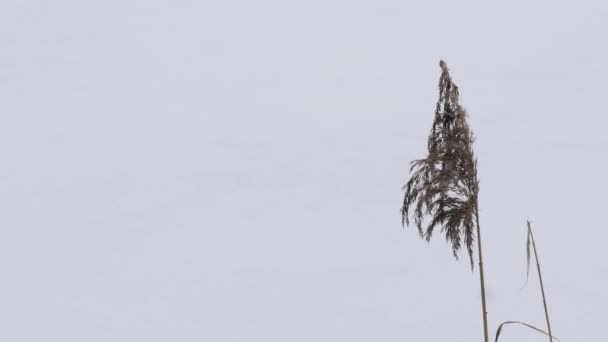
(232, 170)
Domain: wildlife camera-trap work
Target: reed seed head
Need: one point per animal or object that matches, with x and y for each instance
(443, 187)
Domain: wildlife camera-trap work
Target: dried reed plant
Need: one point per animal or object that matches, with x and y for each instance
(540, 276)
(530, 239)
(444, 185)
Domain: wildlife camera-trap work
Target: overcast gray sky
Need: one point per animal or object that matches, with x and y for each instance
(231, 171)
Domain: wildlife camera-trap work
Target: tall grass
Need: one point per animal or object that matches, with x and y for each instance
(530, 240)
(540, 276)
(443, 191)
(443, 188)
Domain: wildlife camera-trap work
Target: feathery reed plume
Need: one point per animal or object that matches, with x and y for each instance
(444, 185)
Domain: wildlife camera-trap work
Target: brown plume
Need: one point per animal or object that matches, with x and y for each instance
(444, 185)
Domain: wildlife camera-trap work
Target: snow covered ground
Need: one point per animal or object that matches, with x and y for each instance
(231, 171)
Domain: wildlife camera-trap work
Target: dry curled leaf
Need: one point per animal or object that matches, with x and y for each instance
(498, 331)
(528, 254)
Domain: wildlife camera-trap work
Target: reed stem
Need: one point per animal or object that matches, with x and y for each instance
(540, 278)
(481, 278)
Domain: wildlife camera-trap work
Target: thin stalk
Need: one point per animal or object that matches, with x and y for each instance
(540, 278)
(481, 278)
